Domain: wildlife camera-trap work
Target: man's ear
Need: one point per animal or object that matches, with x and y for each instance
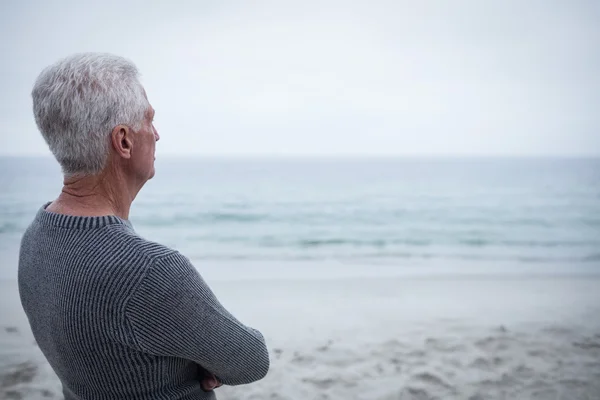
(122, 140)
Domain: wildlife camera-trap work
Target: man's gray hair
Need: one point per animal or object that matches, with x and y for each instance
(79, 100)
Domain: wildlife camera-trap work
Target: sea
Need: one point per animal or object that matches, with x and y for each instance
(368, 210)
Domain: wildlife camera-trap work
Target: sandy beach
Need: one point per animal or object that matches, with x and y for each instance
(371, 333)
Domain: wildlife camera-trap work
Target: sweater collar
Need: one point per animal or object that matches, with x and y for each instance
(78, 222)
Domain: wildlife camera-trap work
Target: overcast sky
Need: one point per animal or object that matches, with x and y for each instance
(451, 77)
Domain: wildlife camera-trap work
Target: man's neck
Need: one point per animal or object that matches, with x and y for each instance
(94, 196)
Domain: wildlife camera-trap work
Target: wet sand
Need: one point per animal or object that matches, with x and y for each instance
(376, 336)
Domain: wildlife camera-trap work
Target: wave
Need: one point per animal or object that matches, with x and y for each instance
(529, 243)
(391, 257)
(340, 241)
(337, 242)
(592, 257)
(203, 218)
(9, 227)
(365, 218)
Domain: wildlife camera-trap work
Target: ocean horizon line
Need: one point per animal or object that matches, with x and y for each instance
(267, 156)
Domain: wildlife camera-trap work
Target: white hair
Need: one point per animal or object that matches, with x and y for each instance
(79, 100)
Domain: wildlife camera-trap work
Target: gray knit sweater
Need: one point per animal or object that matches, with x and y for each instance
(120, 317)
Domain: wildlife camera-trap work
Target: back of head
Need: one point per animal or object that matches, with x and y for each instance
(79, 100)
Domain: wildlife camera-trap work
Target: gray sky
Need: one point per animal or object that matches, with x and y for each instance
(453, 77)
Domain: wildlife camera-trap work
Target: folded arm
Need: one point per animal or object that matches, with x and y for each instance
(174, 313)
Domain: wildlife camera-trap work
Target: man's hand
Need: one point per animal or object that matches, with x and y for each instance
(210, 382)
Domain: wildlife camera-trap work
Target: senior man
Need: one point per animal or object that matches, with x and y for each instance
(116, 315)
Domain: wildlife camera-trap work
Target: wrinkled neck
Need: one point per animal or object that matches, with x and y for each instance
(108, 193)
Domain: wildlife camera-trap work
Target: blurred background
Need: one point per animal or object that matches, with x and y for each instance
(302, 140)
(388, 130)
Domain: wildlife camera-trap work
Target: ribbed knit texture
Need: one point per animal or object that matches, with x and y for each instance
(121, 317)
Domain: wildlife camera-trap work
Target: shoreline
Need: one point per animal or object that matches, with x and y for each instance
(384, 337)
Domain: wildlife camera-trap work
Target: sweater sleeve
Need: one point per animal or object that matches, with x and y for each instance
(174, 313)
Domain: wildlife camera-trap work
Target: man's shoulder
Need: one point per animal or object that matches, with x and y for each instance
(132, 257)
(130, 242)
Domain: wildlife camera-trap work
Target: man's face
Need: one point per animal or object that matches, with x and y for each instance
(145, 146)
